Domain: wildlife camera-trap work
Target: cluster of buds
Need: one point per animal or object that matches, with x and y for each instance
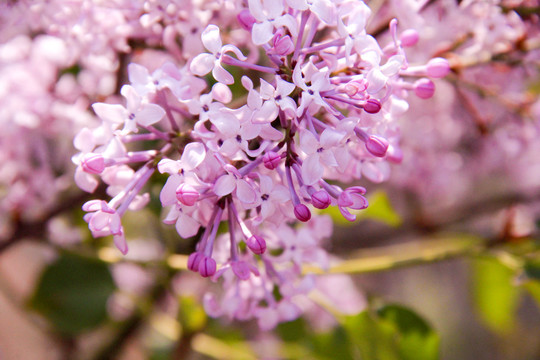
(318, 105)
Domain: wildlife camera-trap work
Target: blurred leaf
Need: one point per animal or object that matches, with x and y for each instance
(495, 297)
(191, 314)
(533, 287)
(331, 345)
(417, 341)
(380, 209)
(73, 292)
(532, 269)
(371, 338)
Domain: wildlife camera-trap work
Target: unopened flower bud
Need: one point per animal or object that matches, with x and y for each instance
(187, 194)
(321, 199)
(207, 267)
(424, 88)
(377, 145)
(246, 20)
(256, 244)
(302, 212)
(271, 160)
(241, 270)
(409, 37)
(283, 45)
(438, 68)
(194, 260)
(372, 106)
(93, 163)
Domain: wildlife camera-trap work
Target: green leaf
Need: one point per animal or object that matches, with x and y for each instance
(380, 209)
(192, 315)
(533, 288)
(495, 297)
(417, 340)
(532, 269)
(72, 293)
(371, 338)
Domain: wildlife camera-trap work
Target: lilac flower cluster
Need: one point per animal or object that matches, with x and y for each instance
(318, 104)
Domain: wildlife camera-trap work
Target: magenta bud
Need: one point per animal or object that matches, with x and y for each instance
(207, 267)
(246, 20)
(93, 163)
(283, 45)
(424, 88)
(321, 199)
(438, 68)
(302, 212)
(377, 145)
(409, 37)
(372, 106)
(194, 260)
(271, 160)
(187, 194)
(256, 244)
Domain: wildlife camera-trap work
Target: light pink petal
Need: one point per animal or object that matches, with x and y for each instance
(308, 142)
(376, 80)
(202, 64)
(167, 196)
(226, 123)
(256, 9)
(289, 22)
(267, 113)
(376, 172)
(222, 75)
(330, 138)
(121, 243)
(236, 51)
(133, 100)
(92, 205)
(84, 140)
(254, 100)
(274, 8)
(328, 158)
(268, 132)
(193, 155)
(267, 90)
(211, 39)
(284, 88)
(325, 11)
(312, 170)
(169, 166)
(298, 4)
(359, 202)
(221, 93)
(149, 114)
(186, 226)
(224, 185)
(172, 216)
(280, 194)
(138, 74)
(99, 221)
(262, 33)
(250, 131)
(85, 181)
(245, 192)
(265, 184)
(113, 113)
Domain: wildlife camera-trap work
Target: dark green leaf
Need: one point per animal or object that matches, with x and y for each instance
(417, 341)
(73, 292)
(532, 269)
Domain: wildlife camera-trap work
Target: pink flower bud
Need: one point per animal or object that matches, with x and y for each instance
(194, 260)
(271, 160)
(409, 37)
(207, 267)
(438, 68)
(246, 20)
(355, 86)
(377, 145)
(424, 88)
(256, 244)
(283, 45)
(321, 199)
(372, 106)
(187, 194)
(302, 212)
(241, 270)
(93, 163)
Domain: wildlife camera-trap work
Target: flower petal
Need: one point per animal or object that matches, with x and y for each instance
(186, 226)
(149, 114)
(193, 155)
(211, 39)
(202, 64)
(224, 185)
